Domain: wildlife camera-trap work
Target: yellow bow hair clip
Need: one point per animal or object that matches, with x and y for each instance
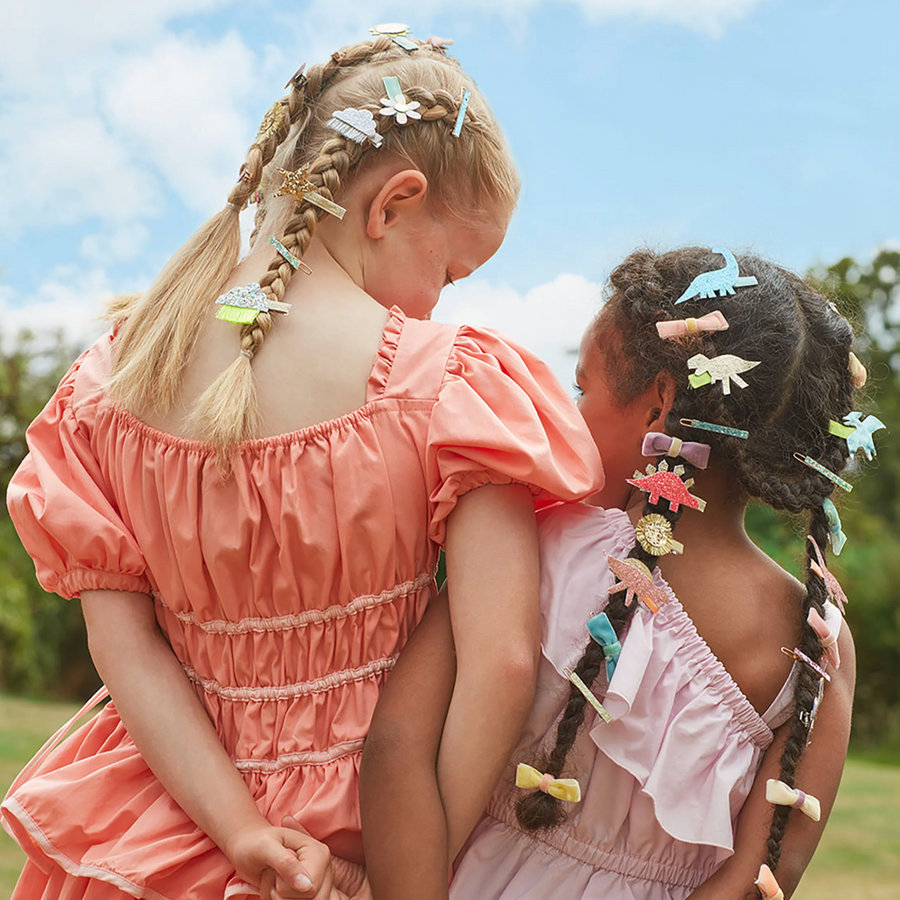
(778, 793)
(567, 789)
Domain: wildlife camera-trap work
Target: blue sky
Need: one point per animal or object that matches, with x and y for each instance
(772, 125)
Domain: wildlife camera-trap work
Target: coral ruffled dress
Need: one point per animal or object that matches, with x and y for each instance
(286, 592)
(662, 784)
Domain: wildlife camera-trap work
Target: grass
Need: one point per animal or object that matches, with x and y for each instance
(858, 858)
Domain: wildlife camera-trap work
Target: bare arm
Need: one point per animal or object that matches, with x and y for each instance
(819, 774)
(169, 726)
(492, 563)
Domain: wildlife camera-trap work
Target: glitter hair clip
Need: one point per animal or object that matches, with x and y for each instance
(567, 789)
(397, 32)
(298, 79)
(600, 629)
(835, 533)
(654, 534)
(767, 884)
(831, 476)
(725, 368)
(637, 582)
(723, 280)
(270, 124)
(858, 373)
(827, 634)
(356, 124)
(717, 429)
(858, 433)
(395, 104)
(297, 185)
(780, 794)
(588, 695)
(293, 260)
(242, 305)
(832, 585)
(798, 654)
(460, 116)
(675, 328)
(656, 444)
(659, 482)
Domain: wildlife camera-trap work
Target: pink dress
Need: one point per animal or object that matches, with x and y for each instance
(286, 592)
(662, 784)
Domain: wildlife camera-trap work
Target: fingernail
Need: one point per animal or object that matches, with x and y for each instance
(302, 883)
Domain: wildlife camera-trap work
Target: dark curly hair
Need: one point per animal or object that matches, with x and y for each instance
(804, 381)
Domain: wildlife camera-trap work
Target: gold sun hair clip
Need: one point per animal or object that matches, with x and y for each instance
(654, 534)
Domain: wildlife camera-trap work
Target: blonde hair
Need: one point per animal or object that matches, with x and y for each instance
(472, 175)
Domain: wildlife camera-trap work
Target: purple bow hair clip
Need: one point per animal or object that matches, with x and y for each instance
(657, 444)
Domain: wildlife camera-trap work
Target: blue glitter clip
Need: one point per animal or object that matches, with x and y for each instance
(723, 280)
(457, 128)
(718, 429)
(818, 467)
(835, 533)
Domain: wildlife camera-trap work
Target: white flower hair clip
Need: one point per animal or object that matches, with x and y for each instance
(395, 104)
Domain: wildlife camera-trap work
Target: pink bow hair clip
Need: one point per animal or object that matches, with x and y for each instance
(767, 884)
(832, 585)
(439, 43)
(827, 634)
(714, 321)
(657, 444)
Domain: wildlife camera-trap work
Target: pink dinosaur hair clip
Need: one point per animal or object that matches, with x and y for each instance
(660, 482)
(832, 585)
(637, 582)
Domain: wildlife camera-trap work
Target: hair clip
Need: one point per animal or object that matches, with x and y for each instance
(835, 534)
(293, 260)
(797, 654)
(858, 373)
(567, 789)
(637, 582)
(600, 629)
(395, 104)
(588, 695)
(674, 328)
(660, 482)
(439, 43)
(723, 280)
(654, 534)
(242, 305)
(827, 636)
(656, 444)
(725, 368)
(718, 429)
(298, 79)
(270, 124)
(397, 32)
(814, 464)
(832, 585)
(858, 432)
(809, 718)
(780, 794)
(767, 884)
(298, 186)
(356, 124)
(463, 106)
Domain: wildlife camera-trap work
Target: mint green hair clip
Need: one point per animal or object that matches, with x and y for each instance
(835, 534)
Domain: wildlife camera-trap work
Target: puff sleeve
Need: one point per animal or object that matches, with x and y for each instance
(502, 417)
(61, 503)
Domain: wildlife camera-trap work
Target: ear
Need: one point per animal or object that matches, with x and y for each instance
(400, 195)
(663, 397)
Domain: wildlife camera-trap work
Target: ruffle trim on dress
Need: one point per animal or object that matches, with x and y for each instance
(387, 351)
(260, 624)
(305, 758)
(269, 693)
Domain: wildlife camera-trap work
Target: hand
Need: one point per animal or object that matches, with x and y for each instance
(284, 862)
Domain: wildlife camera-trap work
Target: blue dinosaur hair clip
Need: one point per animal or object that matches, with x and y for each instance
(858, 432)
(723, 280)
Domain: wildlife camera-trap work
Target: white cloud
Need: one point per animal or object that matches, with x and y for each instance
(549, 320)
(121, 245)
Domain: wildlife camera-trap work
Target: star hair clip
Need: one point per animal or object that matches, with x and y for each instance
(637, 582)
(395, 104)
(725, 369)
(659, 482)
(724, 280)
(297, 185)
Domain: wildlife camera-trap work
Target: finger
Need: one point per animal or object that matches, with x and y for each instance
(267, 884)
(326, 890)
(291, 870)
(314, 855)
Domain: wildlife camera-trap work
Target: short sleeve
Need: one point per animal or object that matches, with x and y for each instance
(502, 417)
(63, 509)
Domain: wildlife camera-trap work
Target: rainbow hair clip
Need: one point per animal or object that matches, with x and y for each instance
(724, 280)
(567, 789)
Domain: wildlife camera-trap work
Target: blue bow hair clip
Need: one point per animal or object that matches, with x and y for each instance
(723, 280)
(600, 629)
(835, 535)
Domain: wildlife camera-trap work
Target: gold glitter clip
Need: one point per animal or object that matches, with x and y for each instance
(654, 534)
(298, 186)
(588, 695)
(271, 122)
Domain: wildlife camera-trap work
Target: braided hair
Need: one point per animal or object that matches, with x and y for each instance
(471, 176)
(803, 381)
